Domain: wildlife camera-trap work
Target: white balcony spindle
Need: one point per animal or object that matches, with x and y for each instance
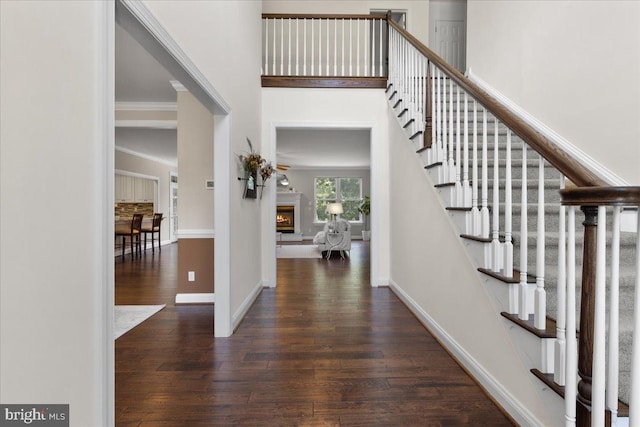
(350, 47)
(508, 212)
(559, 374)
(282, 46)
(297, 47)
(358, 22)
(484, 210)
(634, 404)
(335, 48)
(598, 393)
(313, 49)
(614, 320)
(328, 48)
(571, 387)
(365, 49)
(319, 47)
(380, 21)
(540, 310)
(343, 31)
(289, 47)
(523, 310)
(266, 46)
(496, 259)
(273, 65)
(475, 212)
(304, 43)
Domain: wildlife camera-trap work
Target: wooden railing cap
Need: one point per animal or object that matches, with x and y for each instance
(601, 196)
(319, 16)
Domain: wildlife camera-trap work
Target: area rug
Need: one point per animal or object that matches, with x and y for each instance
(127, 317)
(298, 251)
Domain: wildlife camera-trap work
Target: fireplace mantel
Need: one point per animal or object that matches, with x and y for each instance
(292, 199)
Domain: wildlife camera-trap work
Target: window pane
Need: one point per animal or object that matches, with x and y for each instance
(350, 188)
(350, 208)
(321, 210)
(326, 188)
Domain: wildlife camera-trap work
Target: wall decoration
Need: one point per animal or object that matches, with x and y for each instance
(254, 165)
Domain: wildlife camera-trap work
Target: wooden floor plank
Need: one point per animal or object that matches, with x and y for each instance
(321, 349)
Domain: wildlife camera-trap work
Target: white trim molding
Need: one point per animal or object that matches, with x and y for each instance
(513, 406)
(146, 106)
(246, 305)
(177, 86)
(195, 233)
(549, 133)
(148, 124)
(147, 157)
(208, 298)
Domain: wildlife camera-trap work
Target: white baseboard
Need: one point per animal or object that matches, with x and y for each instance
(514, 407)
(246, 305)
(266, 283)
(209, 298)
(549, 133)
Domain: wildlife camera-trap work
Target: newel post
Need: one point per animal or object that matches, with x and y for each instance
(587, 314)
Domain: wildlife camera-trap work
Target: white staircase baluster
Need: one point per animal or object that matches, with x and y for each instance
(571, 387)
(559, 371)
(445, 134)
(458, 181)
(523, 310)
(434, 113)
(540, 311)
(438, 124)
(484, 210)
(634, 403)
(452, 163)
(597, 396)
(475, 212)
(496, 259)
(614, 321)
(508, 210)
(466, 188)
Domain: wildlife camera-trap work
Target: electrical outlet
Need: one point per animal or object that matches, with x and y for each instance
(191, 276)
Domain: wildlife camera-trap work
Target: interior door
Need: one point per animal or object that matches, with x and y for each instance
(451, 42)
(173, 207)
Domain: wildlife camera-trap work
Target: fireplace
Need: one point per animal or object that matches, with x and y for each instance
(285, 219)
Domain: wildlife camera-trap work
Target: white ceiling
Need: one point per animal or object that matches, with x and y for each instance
(324, 148)
(140, 78)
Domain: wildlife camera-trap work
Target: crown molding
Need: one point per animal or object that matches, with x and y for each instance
(147, 157)
(146, 106)
(147, 124)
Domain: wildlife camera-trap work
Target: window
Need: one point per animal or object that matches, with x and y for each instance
(347, 191)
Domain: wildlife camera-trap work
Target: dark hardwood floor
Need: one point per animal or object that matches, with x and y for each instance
(322, 349)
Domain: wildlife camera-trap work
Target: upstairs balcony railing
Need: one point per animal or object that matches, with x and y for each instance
(324, 50)
(509, 179)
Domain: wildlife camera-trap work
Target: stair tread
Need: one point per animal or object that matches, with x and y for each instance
(513, 279)
(548, 332)
(547, 378)
(433, 165)
(445, 184)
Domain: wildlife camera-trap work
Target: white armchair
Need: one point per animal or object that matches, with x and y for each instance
(336, 236)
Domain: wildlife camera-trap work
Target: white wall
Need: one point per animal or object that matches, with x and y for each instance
(303, 182)
(417, 10)
(572, 65)
(128, 162)
(431, 266)
(55, 151)
(337, 108)
(195, 162)
(223, 39)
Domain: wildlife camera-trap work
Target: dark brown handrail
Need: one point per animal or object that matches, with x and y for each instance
(601, 196)
(559, 158)
(313, 16)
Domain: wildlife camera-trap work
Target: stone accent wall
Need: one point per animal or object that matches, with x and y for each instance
(126, 210)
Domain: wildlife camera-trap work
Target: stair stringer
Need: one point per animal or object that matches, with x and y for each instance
(432, 273)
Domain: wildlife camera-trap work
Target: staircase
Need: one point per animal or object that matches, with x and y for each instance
(505, 201)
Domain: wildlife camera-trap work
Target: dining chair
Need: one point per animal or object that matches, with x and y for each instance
(133, 232)
(153, 228)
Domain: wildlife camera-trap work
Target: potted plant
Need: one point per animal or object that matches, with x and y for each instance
(365, 210)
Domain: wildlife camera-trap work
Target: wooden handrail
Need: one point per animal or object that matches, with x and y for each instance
(314, 16)
(556, 156)
(601, 196)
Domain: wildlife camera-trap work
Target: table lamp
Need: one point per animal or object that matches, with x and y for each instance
(334, 209)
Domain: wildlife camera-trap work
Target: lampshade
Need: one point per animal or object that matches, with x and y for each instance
(334, 208)
(284, 181)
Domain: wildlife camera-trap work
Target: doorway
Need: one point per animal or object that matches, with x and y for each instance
(448, 31)
(173, 206)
